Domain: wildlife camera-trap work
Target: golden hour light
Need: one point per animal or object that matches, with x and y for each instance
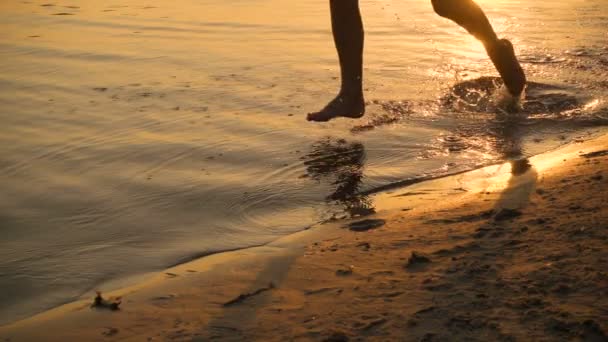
(320, 170)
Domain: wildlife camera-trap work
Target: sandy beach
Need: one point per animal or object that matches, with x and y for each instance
(159, 152)
(141, 134)
(512, 252)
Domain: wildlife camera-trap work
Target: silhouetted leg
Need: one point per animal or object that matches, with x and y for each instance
(469, 15)
(347, 28)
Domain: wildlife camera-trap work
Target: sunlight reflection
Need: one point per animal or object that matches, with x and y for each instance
(592, 105)
(512, 182)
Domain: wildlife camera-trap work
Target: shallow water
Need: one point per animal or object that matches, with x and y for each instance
(138, 134)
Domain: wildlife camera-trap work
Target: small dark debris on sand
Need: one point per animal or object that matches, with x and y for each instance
(507, 214)
(417, 259)
(365, 225)
(344, 272)
(364, 246)
(242, 297)
(63, 13)
(100, 303)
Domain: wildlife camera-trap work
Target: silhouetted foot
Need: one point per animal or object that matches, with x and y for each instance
(342, 106)
(503, 56)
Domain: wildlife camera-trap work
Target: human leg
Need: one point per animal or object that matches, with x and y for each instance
(347, 28)
(470, 16)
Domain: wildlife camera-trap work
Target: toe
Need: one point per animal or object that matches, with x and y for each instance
(317, 117)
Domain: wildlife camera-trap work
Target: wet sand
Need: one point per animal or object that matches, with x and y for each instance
(509, 252)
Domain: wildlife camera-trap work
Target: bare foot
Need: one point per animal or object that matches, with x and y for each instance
(503, 56)
(342, 106)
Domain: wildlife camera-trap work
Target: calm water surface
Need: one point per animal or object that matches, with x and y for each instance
(139, 134)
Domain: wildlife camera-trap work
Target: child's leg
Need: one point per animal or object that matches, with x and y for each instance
(347, 28)
(469, 15)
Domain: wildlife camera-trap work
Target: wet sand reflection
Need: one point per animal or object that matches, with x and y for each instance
(522, 183)
(341, 164)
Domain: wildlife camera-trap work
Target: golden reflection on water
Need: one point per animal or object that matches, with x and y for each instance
(340, 163)
(510, 185)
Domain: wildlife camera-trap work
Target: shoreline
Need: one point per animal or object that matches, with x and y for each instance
(153, 307)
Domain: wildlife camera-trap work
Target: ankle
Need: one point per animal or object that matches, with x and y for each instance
(350, 93)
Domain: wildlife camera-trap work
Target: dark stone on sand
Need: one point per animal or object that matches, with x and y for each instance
(507, 214)
(365, 225)
(344, 272)
(417, 259)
